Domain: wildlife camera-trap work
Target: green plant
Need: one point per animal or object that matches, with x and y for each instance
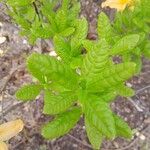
(85, 84)
(44, 18)
(79, 83)
(129, 22)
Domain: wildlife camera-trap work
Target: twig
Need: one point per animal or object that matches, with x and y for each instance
(36, 10)
(137, 92)
(134, 141)
(79, 141)
(3, 88)
(142, 89)
(7, 79)
(12, 108)
(136, 105)
(13, 70)
(18, 144)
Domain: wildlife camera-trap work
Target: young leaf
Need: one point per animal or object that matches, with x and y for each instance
(61, 20)
(122, 127)
(136, 58)
(94, 136)
(81, 29)
(19, 3)
(46, 68)
(28, 92)
(125, 44)
(110, 77)
(89, 45)
(95, 45)
(54, 104)
(62, 124)
(74, 13)
(65, 4)
(104, 27)
(125, 91)
(67, 32)
(99, 114)
(62, 48)
(96, 59)
(146, 50)
(79, 35)
(43, 32)
(76, 62)
(39, 66)
(107, 96)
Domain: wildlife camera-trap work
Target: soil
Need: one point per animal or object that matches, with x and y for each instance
(13, 53)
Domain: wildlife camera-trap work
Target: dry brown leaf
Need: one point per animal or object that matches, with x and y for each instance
(3, 146)
(10, 129)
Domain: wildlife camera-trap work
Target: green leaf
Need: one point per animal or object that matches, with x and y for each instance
(65, 4)
(19, 3)
(80, 34)
(107, 96)
(62, 124)
(73, 13)
(125, 44)
(21, 21)
(76, 62)
(95, 45)
(62, 48)
(38, 66)
(89, 45)
(122, 128)
(142, 37)
(96, 59)
(99, 115)
(46, 68)
(146, 50)
(57, 87)
(54, 104)
(94, 136)
(28, 92)
(45, 31)
(110, 77)
(81, 29)
(47, 9)
(125, 91)
(61, 20)
(67, 32)
(104, 27)
(138, 61)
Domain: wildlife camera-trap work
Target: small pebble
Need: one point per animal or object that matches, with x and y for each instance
(24, 41)
(2, 39)
(142, 137)
(1, 24)
(59, 58)
(129, 84)
(1, 98)
(125, 119)
(147, 121)
(1, 52)
(52, 53)
(137, 133)
(116, 144)
(127, 110)
(87, 2)
(75, 145)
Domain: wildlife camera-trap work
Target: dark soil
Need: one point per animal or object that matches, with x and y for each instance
(13, 73)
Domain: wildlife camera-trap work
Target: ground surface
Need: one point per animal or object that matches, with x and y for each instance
(13, 52)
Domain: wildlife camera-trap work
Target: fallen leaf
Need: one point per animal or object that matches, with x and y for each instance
(10, 129)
